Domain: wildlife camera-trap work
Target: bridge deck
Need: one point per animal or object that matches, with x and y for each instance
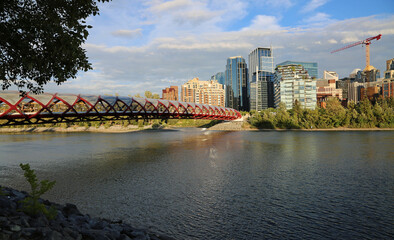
(55, 108)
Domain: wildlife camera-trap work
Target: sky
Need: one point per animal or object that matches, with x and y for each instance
(139, 45)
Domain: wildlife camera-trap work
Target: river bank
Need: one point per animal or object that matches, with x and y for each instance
(116, 128)
(226, 126)
(69, 223)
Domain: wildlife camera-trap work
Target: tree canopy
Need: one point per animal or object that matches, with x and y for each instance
(149, 94)
(40, 41)
(364, 114)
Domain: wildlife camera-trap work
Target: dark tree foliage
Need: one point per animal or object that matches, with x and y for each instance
(40, 41)
(364, 114)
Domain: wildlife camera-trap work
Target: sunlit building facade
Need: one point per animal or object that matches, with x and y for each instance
(388, 81)
(292, 83)
(170, 93)
(327, 87)
(203, 92)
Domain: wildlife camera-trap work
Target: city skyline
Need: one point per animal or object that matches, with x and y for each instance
(136, 46)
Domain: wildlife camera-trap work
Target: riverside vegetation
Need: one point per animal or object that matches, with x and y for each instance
(31, 204)
(364, 114)
(139, 124)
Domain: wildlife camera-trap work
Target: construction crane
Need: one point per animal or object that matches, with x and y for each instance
(365, 42)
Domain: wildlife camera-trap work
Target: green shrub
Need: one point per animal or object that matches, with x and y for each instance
(107, 124)
(156, 126)
(140, 123)
(31, 204)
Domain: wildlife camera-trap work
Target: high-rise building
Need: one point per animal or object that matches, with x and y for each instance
(388, 81)
(371, 75)
(344, 85)
(219, 77)
(330, 75)
(261, 77)
(310, 67)
(292, 83)
(170, 93)
(354, 74)
(354, 91)
(371, 90)
(203, 92)
(327, 87)
(236, 81)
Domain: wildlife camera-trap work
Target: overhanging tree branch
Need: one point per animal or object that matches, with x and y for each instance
(40, 41)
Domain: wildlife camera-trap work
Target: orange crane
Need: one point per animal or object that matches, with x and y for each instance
(365, 42)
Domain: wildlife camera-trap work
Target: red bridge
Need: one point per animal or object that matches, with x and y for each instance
(58, 108)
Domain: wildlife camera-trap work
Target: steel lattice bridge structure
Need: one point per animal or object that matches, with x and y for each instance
(59, 108)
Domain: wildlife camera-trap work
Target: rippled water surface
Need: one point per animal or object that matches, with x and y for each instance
(193, 184)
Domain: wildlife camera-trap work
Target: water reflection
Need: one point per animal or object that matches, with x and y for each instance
(219, 185)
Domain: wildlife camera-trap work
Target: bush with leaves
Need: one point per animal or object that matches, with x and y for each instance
(156, 125)
(31, 205)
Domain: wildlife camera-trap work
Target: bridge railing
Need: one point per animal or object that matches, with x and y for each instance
(54, 108)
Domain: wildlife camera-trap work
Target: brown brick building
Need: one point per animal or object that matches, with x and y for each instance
(170, 93)
(388, 81)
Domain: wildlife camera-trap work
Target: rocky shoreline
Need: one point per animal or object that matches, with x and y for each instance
(69, 223)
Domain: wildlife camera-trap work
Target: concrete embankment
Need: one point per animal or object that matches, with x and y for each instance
(236, 125)
(228, 126)
(69, 223)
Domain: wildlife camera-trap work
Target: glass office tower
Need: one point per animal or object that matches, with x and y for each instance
(236, 81)
(219, 77)
(261, 75)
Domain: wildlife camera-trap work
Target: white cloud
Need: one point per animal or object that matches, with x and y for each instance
(263, 22)
(187, 38)
(319, 18)
(313, 5)
(350, 39)
(182, 11)
(174, 60)
(170, 5)
(128, 33)
(205, 46)
(332, 41)
(196, 16)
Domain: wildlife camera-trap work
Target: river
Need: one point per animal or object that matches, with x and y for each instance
(194, 184)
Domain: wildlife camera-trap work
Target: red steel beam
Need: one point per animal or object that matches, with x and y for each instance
(102, 108)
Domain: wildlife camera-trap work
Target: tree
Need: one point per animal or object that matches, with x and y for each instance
(156, 96)
(148, 94)
(335, 112)
(137, 95)
(40, 41)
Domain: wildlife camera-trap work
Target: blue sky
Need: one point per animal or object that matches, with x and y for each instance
(137, 45)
